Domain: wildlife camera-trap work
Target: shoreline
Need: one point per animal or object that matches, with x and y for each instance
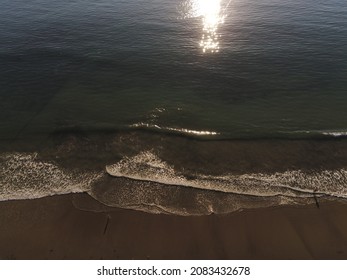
(86, 150)
(176, 173)
(75, 226)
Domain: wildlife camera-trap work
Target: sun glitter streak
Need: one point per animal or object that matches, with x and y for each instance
(210, 10)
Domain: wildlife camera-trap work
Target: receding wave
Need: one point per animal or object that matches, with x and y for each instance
(157, 198)
(149, 167)
(25, 176)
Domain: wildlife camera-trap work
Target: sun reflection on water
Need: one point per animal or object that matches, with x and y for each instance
(212, 16)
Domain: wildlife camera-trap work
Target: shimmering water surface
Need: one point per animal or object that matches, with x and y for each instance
(226, 70)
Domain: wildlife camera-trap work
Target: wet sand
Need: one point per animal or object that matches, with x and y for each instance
(75, 226)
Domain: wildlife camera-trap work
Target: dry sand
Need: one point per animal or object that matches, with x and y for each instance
(56, 228)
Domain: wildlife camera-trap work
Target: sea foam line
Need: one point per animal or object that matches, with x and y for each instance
(146, 166)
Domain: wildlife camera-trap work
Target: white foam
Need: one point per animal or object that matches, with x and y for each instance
(323, 132)
(24, 176)
(149, 167)
(178, 130)
(336, 133)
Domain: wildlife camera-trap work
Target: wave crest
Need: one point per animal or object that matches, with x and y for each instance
(175, 130)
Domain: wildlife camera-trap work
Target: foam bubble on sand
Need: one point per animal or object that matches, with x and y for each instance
(25, 176)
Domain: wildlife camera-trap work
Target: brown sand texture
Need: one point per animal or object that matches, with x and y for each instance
(75, 226)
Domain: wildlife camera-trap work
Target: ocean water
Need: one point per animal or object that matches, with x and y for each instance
(187, 107)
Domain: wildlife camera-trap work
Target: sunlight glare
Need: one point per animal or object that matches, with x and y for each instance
(212, 14)
(210, 11)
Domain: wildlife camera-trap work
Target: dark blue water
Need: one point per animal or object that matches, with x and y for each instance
(271, 68)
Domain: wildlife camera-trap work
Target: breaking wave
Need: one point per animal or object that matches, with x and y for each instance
(185, 131)
(326, 133)
(335, 133)
(146, 166)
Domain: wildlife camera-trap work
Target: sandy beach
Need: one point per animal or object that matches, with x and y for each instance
(75, 226)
